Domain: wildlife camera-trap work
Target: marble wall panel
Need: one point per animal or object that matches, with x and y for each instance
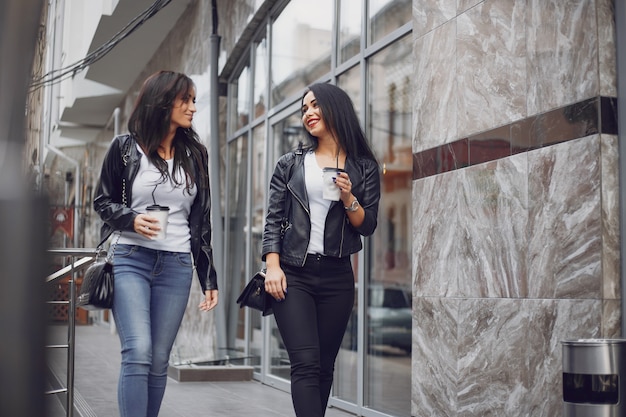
(610, 217)
(493, 219)
(540, 391)
(532, 240)
(435, 236)
(606, 48)
(551, 323)
(510, 353)
(434, 83)
(562, 43)
(612, 319)
(491, 65)
(463, 5)
(493, 357)
(428, 14)
(565, 227)
(434, 356)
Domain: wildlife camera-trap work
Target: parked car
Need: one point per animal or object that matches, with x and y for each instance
(389, 319)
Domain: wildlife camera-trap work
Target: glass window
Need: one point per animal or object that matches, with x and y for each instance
(264, 117)
(259, 190)
(350, 30)
(301, 46)
(260, 79)
(287, 134)
(385, 16)
(389, 320)
(350, 82)
(236, 221)
(256, 225)
(279, 359)
(240, 101)
(346, 368)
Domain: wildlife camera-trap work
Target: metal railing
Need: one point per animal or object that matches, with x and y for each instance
(78, 259)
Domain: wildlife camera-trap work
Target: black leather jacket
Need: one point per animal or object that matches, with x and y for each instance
(118, 175)
(340, 237)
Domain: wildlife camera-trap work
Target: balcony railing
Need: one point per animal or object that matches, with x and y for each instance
(77, 259)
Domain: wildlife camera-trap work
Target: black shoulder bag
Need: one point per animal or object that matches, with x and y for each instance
(96, 290)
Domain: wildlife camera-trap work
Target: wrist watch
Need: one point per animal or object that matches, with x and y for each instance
(354, 206)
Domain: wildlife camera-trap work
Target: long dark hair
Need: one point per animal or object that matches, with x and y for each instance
(340, 117)
(149, 123)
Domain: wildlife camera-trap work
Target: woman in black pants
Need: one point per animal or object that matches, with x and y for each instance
(322, 199)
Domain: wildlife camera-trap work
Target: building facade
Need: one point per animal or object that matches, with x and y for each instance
(495, 125)
(514, 200)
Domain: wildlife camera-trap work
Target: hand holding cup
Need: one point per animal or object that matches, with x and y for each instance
(331, 190)
(161, 213)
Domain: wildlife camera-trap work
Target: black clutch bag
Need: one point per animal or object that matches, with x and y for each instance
(254, 295)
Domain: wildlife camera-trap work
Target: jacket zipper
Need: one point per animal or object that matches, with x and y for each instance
(343, 228)
(305, 209)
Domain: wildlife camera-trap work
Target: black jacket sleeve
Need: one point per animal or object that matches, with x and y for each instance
(200, 224)
(108, 201)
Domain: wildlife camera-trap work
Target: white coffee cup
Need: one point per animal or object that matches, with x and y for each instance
(161, 213)
(330, 190)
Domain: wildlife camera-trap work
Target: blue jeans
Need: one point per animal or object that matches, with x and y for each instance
(151, 293)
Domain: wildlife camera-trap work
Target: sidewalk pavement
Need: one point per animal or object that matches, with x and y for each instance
(97, 362)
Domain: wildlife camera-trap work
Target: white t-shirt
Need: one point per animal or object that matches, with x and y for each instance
(149, 183)
(313, 178)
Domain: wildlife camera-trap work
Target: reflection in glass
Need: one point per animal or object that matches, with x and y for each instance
(389, 321)
(591, 388)
(279, 359)
(236, 221)
(256, 224)
(385, 16)
(260, 79)
(301, 46)
(346, 366)
(286, 135)
(240, 109)
(258, 192)
(350, 23)
(350, 82)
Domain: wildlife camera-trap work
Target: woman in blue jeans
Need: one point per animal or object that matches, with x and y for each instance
(160, 162)
(309, 236)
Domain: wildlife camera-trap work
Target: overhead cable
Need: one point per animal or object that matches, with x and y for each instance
(58, 75)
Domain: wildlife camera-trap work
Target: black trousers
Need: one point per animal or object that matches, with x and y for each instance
(312, 320)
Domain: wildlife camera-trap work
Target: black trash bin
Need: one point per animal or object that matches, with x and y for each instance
(593, 372)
